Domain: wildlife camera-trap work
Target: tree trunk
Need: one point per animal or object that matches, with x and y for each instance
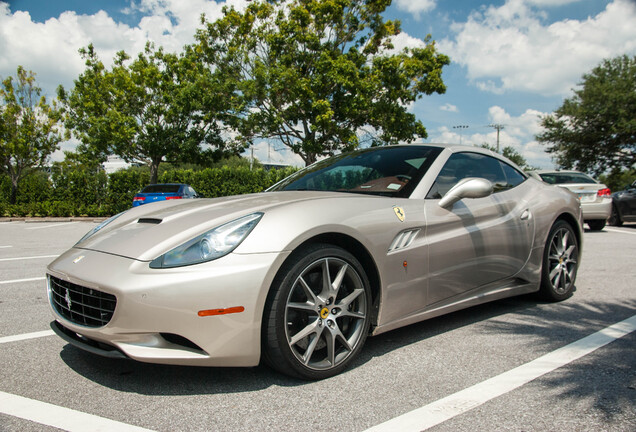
(154, 170)
(309, 158)
(14, 192)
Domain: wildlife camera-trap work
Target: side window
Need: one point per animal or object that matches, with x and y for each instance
(463, 165)
(513, 176)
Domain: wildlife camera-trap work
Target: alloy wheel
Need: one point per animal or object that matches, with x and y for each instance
(326, 314)
(562, 260)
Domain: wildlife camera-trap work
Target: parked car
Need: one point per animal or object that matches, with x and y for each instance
(595, 197)
(624, 206)
(162, 192)
(299, 275)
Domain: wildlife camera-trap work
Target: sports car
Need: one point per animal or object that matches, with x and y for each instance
(299, 275)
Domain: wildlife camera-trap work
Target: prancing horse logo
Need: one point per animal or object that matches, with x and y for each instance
(399, 212)
(67, 298)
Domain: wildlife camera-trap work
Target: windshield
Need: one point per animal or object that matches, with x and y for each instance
(387, 171)
(566, 178)
(161, 188)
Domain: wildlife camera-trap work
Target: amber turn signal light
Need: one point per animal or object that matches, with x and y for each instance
(211, 312)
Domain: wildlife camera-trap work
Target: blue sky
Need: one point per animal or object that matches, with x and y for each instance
(512, 60)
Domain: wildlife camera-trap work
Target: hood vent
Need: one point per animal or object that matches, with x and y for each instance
(149, 221)
(403, 239)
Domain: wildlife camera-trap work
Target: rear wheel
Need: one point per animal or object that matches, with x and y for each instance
(596, 225)
(560, 263)
(317, 315)
(615, 218)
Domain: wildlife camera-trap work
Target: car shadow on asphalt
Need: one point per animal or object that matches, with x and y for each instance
(564, 324)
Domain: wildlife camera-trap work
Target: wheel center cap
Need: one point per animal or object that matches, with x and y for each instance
(324, 313)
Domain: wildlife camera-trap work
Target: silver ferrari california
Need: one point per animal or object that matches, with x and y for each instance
(298, 276)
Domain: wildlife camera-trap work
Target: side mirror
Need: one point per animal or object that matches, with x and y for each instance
(471, 187)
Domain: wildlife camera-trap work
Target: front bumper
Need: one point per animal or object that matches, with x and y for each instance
(156, 317)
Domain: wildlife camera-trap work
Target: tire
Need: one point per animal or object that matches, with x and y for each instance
(560, 263)
(596, 225)
(615, 218)
(311, 329)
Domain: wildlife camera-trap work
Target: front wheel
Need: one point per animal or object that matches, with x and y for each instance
(317, 315)
(560, 263)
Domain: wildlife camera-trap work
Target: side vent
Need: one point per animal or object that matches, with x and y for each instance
(149, 221)
(403, 239)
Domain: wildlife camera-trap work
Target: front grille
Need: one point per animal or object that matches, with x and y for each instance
(80, 305)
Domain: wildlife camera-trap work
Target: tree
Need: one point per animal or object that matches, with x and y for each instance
(159, 107)
(28, 128)
(595, 130)
(314, 73)
(618, 180)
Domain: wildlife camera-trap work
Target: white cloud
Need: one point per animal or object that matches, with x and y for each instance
(274, 153)
(50, 49)
(416, 7)
(404, 40)
(517, 132)
(449, 107)
(553, 3)
(511, 48)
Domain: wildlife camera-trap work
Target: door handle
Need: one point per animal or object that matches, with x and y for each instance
(525, 215)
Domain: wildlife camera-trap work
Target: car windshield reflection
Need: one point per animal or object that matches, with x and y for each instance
(385, 171)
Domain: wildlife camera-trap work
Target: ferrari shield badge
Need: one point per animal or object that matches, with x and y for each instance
(399, 212)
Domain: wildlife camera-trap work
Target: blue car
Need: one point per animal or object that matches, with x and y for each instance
(165, 191)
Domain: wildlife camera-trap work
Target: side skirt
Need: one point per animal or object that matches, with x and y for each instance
(511, 288)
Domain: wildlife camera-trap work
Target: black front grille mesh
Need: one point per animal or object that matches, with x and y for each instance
(80, 305)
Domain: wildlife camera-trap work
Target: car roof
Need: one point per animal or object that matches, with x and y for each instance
(453, 148)
(169, 184)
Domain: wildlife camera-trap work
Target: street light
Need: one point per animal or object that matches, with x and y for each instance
(460, 135)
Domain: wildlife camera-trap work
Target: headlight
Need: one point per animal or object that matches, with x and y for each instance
(211, 245)
(98, 227)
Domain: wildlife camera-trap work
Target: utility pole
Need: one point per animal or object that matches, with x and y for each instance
(499, 127)
(460, 135)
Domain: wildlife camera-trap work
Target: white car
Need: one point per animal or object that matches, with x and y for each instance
(595, 197)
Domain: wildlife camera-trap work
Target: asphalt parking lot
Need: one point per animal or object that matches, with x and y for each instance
(513, 365)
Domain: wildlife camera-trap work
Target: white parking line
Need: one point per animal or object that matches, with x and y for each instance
(22, 280)
(620, 231)
(59, 417)
(28, 258)
(50, 226)
(444, 409)
(26, 336)
(5, 247)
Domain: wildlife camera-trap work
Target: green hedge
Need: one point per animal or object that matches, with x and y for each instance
(77, 192)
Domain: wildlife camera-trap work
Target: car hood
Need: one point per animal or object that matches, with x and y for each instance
(145, 232)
